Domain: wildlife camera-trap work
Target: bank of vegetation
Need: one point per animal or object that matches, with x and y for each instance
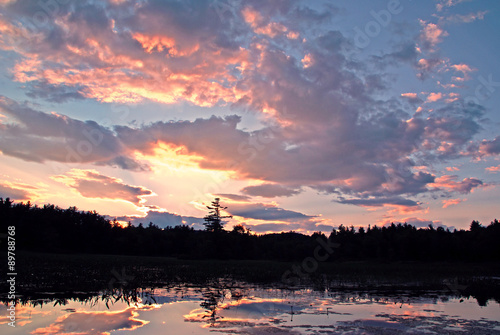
(52, 229)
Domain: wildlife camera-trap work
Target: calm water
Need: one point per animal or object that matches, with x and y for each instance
(241, 308)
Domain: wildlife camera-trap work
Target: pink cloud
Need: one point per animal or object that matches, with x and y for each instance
(396, 205)
(24, 314)
(464, 69)
(91, 184)
(432, 34)
(468, 18)
(140, 65)
(450, 183)
(450, 202)
(414, 221)
(428, 65)
(93, 323)
(493, 169)
(252, 17)
(433, 97)
(410, 96)
(447, 3)
(452, 97)
(293, 35)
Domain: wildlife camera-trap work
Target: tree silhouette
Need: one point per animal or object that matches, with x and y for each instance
(475, 226)
(55, 230)
(213, 221)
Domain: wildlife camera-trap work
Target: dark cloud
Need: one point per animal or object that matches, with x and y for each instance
(332, 41)
(490, 147)
(270, 191)
(271, 8)
(419, 223)
(378, 202)
(54, 93)
(422, 223)
(273, 227)
(235, 197)
(38, 137)
(303, 227)
(259, 211)
(13, 193)
(406, 53)
(363, 158)
(308, 15)
(126, 163)
(164, 219)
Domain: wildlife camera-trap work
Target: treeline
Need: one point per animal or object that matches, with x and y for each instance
(52, 229)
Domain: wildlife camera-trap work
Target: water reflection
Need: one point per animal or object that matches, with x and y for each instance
(236, 307)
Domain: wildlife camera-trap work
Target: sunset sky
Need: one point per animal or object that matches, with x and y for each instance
(299, 115)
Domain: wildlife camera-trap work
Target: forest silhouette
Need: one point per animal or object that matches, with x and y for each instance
(55, 230)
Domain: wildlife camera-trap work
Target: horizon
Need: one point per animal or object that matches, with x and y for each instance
(200, 226)
(301, 116)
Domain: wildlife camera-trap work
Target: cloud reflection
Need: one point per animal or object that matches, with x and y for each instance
(94, 323)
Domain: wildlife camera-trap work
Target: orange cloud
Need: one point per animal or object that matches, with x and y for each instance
(307, 61)
(271, 29)
(156, 43)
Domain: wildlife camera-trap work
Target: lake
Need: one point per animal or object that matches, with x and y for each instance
(227, 306)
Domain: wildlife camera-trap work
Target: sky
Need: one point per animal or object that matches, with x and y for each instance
(298, 115)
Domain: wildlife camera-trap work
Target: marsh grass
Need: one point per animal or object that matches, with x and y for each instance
(82, 272)
(59, 277)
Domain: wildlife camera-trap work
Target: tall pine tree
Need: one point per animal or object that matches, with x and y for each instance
(213, 221)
